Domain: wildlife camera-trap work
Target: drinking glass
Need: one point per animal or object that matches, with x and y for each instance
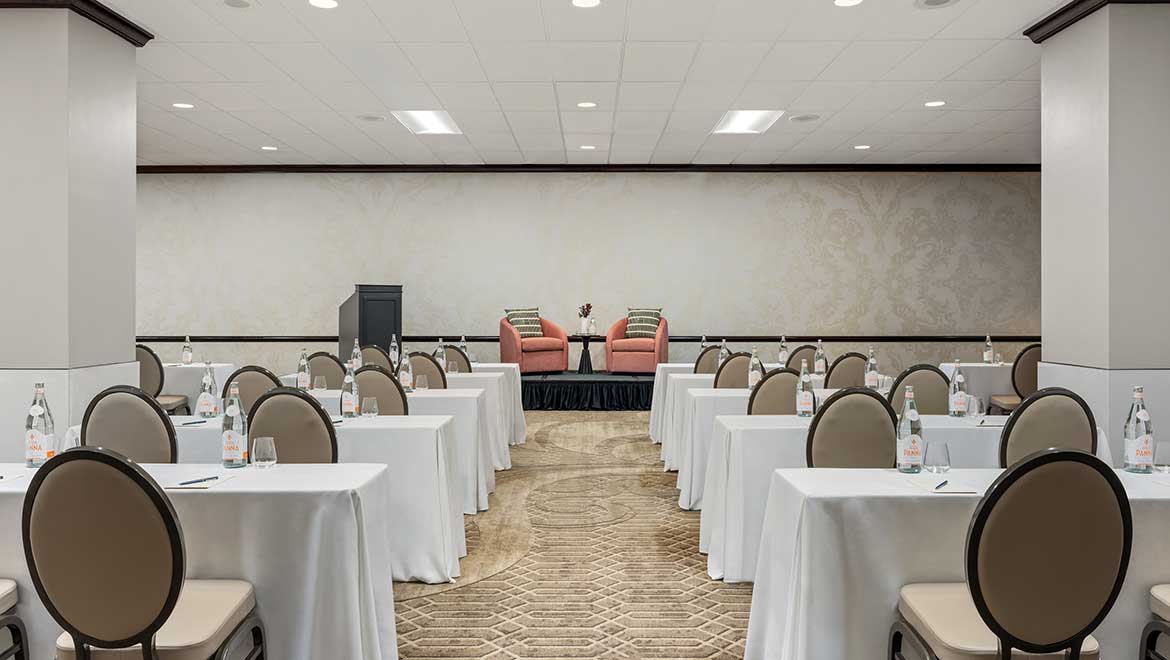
(319, 383)
(1162, 455)
(420, 382)
(452, 366)
(369, 406)
(975, 411)
(998, 358)
(264, 452)
(938, 457)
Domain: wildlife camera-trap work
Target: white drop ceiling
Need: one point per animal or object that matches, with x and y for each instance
(662, 72)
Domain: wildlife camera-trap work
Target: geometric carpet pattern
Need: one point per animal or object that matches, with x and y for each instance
(594, 559)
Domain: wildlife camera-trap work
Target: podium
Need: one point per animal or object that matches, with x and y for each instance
(371, 315)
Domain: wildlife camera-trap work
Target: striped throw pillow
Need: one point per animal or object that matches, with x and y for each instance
(526, 321)
(642, 321)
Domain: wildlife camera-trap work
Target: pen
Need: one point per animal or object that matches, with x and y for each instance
(941, 485)
(197, 481)
(198, 421)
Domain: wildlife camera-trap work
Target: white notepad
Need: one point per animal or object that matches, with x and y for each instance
(930, 482)
(203, 485)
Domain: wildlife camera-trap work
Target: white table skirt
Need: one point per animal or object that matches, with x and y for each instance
(658, 395)
(425, 497)
(746, 449)
(312, 539)
(494, 385)
(983, 380)
(840, 546)
(187, 379)
(511, 397)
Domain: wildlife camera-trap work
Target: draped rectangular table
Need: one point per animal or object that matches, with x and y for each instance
(511, 397)
(983, 380)
(312, 539)
(658, 394)
(187, 379)
(841, 543)
(493, 385)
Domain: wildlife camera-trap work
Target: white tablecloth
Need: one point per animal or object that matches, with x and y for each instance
(187, 379)
(312, 539)
(840, 546)
(658, 396)
(511, 397)
(425, 495)
(983, 380)
(744, 452)
(494, 386)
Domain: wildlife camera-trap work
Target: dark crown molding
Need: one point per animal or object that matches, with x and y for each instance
(467, 169)
(1073, 12)
(94, 11)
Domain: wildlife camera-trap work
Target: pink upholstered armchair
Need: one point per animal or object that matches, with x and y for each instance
(638, 355)
(549, 353)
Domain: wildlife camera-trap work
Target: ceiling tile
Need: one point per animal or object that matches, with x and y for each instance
(635, 141)
(261, 22)
(502, 157)
(995, 19)
(584, 61)
(544, 157)
(345, 97)
(501, 20)
(798, 60)
(749, 20)
(173, 64)
(938, 59)
(852, 121)
(586, 122)
(466, 96)
(657, 61)
(769, 95)
(226, 96)
(668, 20)
(521, 61)
(271, 122)
(179, 20)
(1006, 95)
(493, 142)
(306, 61)
(538, 97)
(708, 95)
(725, 60)
(236, 61)
(604, 94)
(405, 96)
(540, 140)
(413, 21)
(647, 95)
(605, 22)
(887, 96)
(472, 121)
(445, 62)
(640, 122)
(693, 121)
(534, 121)
(1004, 61)
(374, 62)
(574, 141)
(819, 97)
(629, 157)
(868, 60)
(671, 156)
(351, 20)
(287, 96)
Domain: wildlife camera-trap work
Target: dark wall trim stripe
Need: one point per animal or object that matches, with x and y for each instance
(485, 339)
(505, 169)
(1073, 12)
(94, 11)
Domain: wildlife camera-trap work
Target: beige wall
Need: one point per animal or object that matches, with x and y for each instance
(733, 253)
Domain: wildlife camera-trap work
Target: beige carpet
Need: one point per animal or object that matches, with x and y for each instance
(583, 554)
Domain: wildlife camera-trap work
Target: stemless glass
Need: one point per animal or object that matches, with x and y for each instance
(1162, 455)
(452, 366)
(420, 382)
(937, 458)
(264, 452)
(975, 411)
(369, 406)
(320, 384)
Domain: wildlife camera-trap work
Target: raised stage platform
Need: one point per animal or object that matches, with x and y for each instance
(597, 391)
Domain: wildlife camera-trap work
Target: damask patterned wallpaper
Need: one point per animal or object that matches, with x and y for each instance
(730, 253)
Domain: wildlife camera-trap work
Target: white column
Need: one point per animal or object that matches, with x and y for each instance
(1106, 211)
(67, 234)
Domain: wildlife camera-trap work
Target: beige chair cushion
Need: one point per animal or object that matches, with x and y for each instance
(847, 371)
(945, 616)
(425, 365)
(805, 352)
(1160, 600)
(1055, 420)
(327, 366)
(930, 392)
(733, 374)
(297, 426)
(375, 355)
(775, 394)
(205, 615)
(126, 422)
(853, 430)
(708, 360)
(381, 386)
(172, 402)
(8, 598)
(150, 373)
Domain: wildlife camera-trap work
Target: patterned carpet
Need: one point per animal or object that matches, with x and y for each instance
(584, 554)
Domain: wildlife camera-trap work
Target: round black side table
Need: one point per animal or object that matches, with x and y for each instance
(586, 364)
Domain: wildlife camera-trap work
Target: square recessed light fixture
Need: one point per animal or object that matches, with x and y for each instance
(747, 122)
(427, 122)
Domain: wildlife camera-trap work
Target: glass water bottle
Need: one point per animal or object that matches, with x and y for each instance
(910, 445)
(235, 429)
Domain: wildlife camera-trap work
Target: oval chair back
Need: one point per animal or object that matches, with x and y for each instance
(376, 381)
(150, 370)
(931, 389)
(775, 394)
(733, 372)
(104, 549)
(126, 419)
(425, 365)
(848, 370)
(1025, 371)
(708, 360)
(805, 352)
(855, 428)
(297, 424)
(326, 364)
(456, 355)
(253, 381)
(374, 354)
(1051, 417)
(1038, 581)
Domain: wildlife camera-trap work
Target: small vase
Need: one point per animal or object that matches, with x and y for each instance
(584, 325)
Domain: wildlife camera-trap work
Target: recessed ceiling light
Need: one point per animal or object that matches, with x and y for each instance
(324, 4)
(747, 121)
(427, 122)
(586, 104)
(372, 117)
(238, 4)
(935, 104)
(847, 3)
(934, 4)
(588, 147)
(861, 147)
(269, 149)
(801, 119)
(182, 106)
(586, 4)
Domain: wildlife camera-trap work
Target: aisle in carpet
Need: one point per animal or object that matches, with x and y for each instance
(584, 554)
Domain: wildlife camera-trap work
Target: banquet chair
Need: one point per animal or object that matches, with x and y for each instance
(253, 381)
(931, 389)
(775, 394)
(1035, 581)
(298, 425)
(9, 620)
(636, 355)
(733, 373)
(151, 379)
(805, 352)
(548, 353)
(855, 428)
(106, 554)
(1024, 379)
(456, 354)
(375, 354)
(377, 381)
(848, 370)
(425, 365)
(1052, 417)
(128, 420)
(1159, 626)
(326, 364)
(708, 360)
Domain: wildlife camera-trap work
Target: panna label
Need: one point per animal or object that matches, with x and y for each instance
(205, 404)
(912, 450)
(783, 357)
(820, 365)
(804, 401)
(303, 380)
(348, 403)
(959, 402)
(871, 379)
(1141, 452)
(233, 446)
(753, 378)
(37, 446)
